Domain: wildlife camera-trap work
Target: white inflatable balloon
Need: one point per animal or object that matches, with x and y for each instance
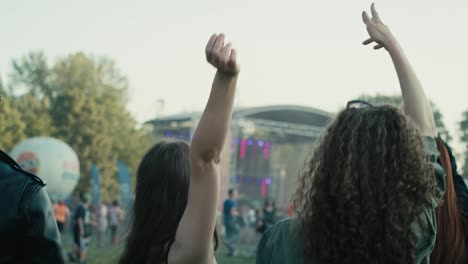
(53, 161)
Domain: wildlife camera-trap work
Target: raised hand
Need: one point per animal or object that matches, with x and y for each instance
(222, 57)
(378, 31)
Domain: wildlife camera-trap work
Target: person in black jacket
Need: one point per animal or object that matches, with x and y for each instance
(28, 231)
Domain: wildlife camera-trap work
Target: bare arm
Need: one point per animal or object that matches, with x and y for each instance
(194, 238)
(417, 106)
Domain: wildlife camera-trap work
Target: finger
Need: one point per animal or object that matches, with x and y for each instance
(216, 51)
(365, 17)
(367, 41)
(233, 60)
(375, 15)
(225, 55)
(378, 46)
(209, 46)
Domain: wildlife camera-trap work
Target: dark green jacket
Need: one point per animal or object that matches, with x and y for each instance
(281, 244)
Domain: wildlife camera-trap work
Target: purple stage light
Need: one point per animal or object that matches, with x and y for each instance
(266, 150)
(261, 143)
(263, 188)
(243, 148)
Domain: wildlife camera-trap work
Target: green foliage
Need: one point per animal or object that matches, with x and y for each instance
(12, 128)
(82, 101)
(397, 101)
(35, 113)
(31, 72)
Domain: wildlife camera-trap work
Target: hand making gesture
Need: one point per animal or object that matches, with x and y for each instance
(378, 31)
(222, 56)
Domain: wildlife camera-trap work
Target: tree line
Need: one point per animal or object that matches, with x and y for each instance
(82, 100)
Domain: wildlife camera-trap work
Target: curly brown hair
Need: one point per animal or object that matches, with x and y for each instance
(367, 181)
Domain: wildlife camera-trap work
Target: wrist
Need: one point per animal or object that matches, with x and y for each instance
(226, 75)
(392, 45)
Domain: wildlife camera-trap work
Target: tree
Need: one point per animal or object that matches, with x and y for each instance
(88, 110)
(35, 113)
(464, 140)
(82, 101)
(397, 101)
(11, 126)
(31, 72)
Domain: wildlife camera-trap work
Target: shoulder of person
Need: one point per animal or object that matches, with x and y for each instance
(284, 229)
(279, 243)
(6, 159)
(286, 225)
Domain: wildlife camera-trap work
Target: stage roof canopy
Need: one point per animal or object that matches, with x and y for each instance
(291, 114)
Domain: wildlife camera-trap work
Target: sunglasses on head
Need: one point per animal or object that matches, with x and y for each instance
(357, 104)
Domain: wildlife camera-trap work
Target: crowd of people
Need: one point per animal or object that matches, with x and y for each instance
(245, 224)
(98, 222)
(380, 187)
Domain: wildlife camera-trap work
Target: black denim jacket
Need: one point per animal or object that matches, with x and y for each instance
(28, 230)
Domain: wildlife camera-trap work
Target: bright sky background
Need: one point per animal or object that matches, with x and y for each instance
(291, 52)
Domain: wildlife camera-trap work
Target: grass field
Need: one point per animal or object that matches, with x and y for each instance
(109, 255)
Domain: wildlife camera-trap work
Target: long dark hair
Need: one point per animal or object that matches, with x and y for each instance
(161, 195)
(367, 181)
(450, 242)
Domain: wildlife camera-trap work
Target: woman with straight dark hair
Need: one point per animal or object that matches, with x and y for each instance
(177, 189)
(370, 190)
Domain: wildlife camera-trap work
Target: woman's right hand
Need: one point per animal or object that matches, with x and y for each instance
(378, 31)
(222, 57)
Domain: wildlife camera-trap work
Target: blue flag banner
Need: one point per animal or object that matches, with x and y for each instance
(96, 189)
(69, 200)
(125, 184)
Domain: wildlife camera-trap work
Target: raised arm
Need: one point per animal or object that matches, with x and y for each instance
(194, 237)
(417, 106)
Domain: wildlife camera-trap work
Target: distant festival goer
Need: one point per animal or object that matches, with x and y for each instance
(102, 222)
(115, 217)
(81, 226)
(62, 214)
(269, 213)
(260, 225)
(231, 222)
(177, 189)
(370, 190)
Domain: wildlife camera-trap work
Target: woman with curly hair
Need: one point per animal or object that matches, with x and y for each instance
(368, 193)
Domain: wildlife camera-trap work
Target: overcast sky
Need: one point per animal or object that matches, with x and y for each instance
(291, 52)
